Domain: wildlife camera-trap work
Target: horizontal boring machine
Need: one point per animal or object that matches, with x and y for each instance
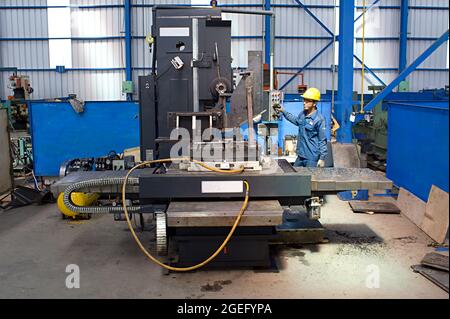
(215, 196)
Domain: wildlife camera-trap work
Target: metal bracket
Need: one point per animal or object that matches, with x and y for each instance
(313, 205)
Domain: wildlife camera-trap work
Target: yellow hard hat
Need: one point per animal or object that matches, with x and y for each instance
(312, 94)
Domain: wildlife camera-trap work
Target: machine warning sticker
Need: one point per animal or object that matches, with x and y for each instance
(222, 187)
(173, 32)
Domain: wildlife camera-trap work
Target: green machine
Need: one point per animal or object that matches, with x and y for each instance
(372, 134)
(20, 140)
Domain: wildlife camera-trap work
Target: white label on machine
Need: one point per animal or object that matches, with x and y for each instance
(173, 32)
(222, 187)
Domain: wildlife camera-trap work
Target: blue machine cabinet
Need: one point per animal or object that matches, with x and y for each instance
(59, 133)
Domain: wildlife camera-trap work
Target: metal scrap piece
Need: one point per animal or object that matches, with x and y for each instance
(77, 105)
(438, 277)
(375, 207)
(435, 260)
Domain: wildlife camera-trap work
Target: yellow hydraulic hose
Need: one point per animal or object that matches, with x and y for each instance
(363, 56)
(225, 242)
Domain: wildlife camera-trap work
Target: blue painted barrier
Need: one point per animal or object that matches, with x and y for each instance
(417, 155)
(59, 133)
(362, 194)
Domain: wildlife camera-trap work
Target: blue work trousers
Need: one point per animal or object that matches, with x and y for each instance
(303, 162)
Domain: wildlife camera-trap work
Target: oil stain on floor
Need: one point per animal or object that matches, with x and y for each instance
(217, 286)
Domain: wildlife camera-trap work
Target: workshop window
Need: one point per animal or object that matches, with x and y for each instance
(59, 26)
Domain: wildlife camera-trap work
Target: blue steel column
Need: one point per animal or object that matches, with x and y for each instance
(128, 68)
(267, 34)
(403, 35)
(343, 106)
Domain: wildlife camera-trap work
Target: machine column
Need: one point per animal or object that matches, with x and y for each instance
(344, 101)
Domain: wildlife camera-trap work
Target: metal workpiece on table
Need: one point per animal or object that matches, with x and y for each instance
(340, 179)
(223, 213)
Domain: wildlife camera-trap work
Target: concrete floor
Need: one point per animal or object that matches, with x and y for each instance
(36, 245)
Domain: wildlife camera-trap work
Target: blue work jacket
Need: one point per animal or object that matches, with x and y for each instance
(311, 138)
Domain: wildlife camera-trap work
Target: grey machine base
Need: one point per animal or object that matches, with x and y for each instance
(197, 229)
(250, 245)
(248, 248)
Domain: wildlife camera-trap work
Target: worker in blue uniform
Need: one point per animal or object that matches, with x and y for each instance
(311, 139)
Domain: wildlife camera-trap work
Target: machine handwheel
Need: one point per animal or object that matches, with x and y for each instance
(161, 233)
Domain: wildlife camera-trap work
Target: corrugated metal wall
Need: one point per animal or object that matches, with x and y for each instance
(379, 54)
(32, 57)
(96, 54)
(428, 23)
(23, 54)
(295, 53)
(244, 25)
(299, 38)
(383, 55)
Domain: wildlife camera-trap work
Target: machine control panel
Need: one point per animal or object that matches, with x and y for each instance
(275, 98)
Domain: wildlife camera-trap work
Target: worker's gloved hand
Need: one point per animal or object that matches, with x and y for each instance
(278, 108)
(321, 163)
